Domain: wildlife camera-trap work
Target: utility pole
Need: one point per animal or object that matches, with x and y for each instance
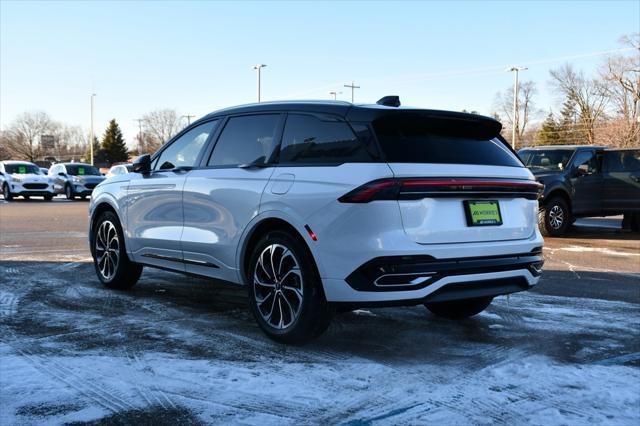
(352, 86)
(258, 68)
(516, 115)
(188, 117)
(91, 134)
(139, 120)
(335, 95)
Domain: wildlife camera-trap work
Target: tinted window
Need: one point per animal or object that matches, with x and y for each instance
(588, 158)
(21, 169)
(184, 151)
(413, 138)
(308, 139)
(248, 139)
(82, 169)
(622, 161)
(551, 159)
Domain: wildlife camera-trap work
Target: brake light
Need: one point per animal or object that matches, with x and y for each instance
(416, 188)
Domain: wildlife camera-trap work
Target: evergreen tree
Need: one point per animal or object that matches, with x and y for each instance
(567, 128)
(549, 133)
(98, 154)
(113, 145)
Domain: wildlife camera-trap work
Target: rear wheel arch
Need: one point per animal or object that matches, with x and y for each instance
(259, 230)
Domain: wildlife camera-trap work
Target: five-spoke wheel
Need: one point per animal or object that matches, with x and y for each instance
(107, 249)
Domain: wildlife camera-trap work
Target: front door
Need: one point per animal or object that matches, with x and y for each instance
(222, 197)
(586, 181)
(155, 214)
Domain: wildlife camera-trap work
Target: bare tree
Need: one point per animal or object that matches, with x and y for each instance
(503, 105)
(25, 132)
(621, 76)
(589, 96)
(158, 127)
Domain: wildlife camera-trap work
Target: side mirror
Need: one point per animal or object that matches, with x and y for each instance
(142, 164)
(582, 170)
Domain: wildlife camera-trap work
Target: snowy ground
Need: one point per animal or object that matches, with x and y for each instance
(178, 350)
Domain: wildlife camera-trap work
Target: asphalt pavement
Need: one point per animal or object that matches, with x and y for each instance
(178, 349)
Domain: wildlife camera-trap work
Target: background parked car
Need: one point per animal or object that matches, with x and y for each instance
(585, 181)
(20, 178)
(75, 179)
(119, 169)
(44, 171)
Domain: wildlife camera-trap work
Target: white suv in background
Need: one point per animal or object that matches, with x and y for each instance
(20, 178)
(318, 206)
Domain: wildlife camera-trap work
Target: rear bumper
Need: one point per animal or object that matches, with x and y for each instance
(410, 281)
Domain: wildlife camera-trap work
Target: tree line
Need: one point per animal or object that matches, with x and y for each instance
(600, 110)
(26, 138)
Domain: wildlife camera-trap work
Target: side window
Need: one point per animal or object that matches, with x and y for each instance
(248, 139)
(183, 152)
(307, 139)
(588, 158)
(622, 161)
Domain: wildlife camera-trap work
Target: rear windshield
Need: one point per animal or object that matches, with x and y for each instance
(550, 159)
(412, 138)
(81, 170)
(21, 169)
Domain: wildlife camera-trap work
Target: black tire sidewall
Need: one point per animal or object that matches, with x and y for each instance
(546, 227)
(68, 192)
(314, 306)
(127, 273)
(6, 192)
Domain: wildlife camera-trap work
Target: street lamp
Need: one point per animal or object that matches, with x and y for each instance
(258, 68)
(515, 118)
(91, 136)
(335, 95)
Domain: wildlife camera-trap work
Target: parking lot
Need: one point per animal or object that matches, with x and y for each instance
(177, 349)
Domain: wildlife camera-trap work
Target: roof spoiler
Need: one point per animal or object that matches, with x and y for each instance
(390, 101)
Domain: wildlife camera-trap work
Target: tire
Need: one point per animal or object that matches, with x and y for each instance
(68, 192)
(285, 291)
(113, 267)
(635, 222)
(48, 197)
(26, 197)
(459, 309)
(554, 218)
(83, 197)
(6, 192)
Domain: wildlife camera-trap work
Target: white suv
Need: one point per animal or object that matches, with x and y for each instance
(20, 178)
(325, 206)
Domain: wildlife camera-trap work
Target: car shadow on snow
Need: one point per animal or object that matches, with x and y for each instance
(52, 305)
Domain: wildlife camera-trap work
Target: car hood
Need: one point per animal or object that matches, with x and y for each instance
(30, 177)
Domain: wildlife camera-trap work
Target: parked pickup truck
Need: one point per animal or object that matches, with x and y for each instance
(585, 181)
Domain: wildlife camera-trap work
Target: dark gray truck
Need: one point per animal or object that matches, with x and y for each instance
(585, 181)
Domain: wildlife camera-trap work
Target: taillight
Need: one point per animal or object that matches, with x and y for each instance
(417, 188)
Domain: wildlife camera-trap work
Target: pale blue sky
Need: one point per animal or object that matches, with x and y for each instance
(196, 56)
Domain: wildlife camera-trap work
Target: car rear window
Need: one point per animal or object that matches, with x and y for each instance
(627, 160)
(417, 138)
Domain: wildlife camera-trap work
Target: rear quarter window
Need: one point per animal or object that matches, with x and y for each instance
(413, 138)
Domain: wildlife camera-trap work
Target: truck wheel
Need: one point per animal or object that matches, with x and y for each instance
(554, 218)
(635, 222)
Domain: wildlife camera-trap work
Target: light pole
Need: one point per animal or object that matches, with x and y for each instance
(258, 68)
(335, 95)
(352, 86)
(91, 136)
(515, 118)
(188, 117)
(139, 120)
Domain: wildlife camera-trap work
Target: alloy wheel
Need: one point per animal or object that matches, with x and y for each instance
(278, 286)
(107, 249)
(556, 217)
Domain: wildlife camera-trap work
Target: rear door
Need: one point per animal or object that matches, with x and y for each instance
(154, 200)
(621, 181)
(445, 164)
(221, 197)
